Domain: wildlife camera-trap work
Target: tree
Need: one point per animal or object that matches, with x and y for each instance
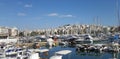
(21, 34)
(34, 33)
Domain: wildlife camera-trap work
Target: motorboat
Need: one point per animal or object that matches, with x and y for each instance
(38, 50)
(59, 54)
(79, 41)
(12, 50)
(24, 54)
(63, 43)
(86, 40)
(7, 39)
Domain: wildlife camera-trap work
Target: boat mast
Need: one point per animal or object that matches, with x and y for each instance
(117, 14)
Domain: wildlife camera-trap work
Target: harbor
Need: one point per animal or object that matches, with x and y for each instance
(59, 29)
(60, 43)
(61, 47)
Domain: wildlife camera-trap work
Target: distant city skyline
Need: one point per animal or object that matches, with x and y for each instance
(40, 14)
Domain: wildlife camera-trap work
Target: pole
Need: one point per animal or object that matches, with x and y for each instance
(117, 14)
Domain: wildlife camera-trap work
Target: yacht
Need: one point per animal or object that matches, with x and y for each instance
(86, 40)
(7, 39)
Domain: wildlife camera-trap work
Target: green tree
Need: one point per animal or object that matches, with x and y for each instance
(34, 33)
(21, 34)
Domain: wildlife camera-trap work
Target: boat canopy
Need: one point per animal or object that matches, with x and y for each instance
(63, 52)
(56, 57)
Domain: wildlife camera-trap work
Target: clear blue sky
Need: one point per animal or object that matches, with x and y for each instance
(35, 14)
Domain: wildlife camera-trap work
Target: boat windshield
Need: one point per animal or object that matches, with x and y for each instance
(83, 42)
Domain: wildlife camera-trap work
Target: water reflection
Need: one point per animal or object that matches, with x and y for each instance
(115, 56)
(44, 55)
(101, 55)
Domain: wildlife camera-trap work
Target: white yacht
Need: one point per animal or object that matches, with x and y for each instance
(7, 39)
(86, 40)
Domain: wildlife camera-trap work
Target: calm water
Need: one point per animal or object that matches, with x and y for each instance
(80, 55)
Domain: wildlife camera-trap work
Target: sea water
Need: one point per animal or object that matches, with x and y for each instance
(80, 55)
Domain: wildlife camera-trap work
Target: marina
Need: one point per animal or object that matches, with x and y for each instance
(61, 47)
(59, 29)
(81, 55)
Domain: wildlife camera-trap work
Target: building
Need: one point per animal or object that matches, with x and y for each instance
(14, 32)
(6, 31)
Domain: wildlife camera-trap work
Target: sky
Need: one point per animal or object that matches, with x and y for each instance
(41, 14)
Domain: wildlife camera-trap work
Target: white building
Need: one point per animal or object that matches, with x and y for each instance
(14, 31)
(6, 31)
